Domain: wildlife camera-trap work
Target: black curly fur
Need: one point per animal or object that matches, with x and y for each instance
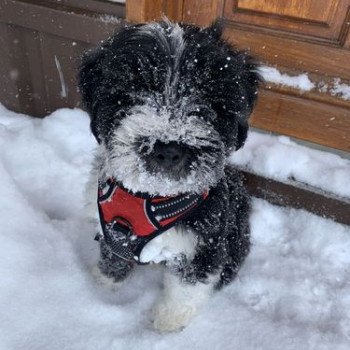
(222, 224)
(131, 64)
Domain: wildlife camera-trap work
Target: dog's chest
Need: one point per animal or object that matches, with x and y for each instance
(171, 244)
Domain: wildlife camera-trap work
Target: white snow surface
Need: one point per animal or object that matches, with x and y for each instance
(280, 158)
(273, 75)
(293, 292)
(340, 89)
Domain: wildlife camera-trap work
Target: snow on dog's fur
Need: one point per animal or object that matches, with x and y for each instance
(150, 125)
(168, 102)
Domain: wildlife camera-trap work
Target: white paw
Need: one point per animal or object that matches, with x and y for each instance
(104, 281)
(169, 316)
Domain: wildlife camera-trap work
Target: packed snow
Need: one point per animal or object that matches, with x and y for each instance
(280, 158)
(340, 89)
(293, 292)
(273, 75)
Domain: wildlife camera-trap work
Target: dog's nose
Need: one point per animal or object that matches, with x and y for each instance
(168, 154)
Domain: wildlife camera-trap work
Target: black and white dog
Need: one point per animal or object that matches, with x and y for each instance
(168, 103)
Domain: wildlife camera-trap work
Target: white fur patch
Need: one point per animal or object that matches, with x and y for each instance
(145, 122)
(169, 245)
(175, 33)
(180, 302)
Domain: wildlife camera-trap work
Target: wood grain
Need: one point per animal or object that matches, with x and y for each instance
(203, 12)
(305, 119)
(144, 10)
(322, 21)
(67, 22)
(312, 10)
(174, 9)
(274, 48)
(141, 11)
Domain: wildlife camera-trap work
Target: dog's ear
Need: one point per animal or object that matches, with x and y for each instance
(89, 76)
(250, 84)
(238, 83)
(89, 79)
(215, 29)
(250, 80)
(242, 133)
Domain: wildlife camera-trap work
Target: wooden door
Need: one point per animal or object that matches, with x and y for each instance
(296, 36)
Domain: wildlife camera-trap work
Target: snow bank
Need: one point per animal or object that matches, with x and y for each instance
(273, 75)
(292, 293)
(280, 158)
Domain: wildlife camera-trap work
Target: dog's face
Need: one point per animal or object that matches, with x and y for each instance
(167, 104)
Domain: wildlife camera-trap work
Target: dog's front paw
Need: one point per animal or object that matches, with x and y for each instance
(107, 282)
(170, 316)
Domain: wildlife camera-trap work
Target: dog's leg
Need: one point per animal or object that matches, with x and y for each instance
(180, 301)
(111, 270)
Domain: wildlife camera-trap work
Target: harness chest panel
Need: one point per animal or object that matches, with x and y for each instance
(129, 221)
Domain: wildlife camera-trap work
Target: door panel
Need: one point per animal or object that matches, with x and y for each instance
(317, 20)
(315, 10)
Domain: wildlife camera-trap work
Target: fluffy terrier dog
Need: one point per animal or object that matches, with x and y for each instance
(168, 103)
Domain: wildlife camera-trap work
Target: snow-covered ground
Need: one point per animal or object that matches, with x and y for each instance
(292, 293)
(278, 157)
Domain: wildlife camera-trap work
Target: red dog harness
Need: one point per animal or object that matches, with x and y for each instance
(130, 221)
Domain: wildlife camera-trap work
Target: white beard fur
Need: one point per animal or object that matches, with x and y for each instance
(124, 163)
